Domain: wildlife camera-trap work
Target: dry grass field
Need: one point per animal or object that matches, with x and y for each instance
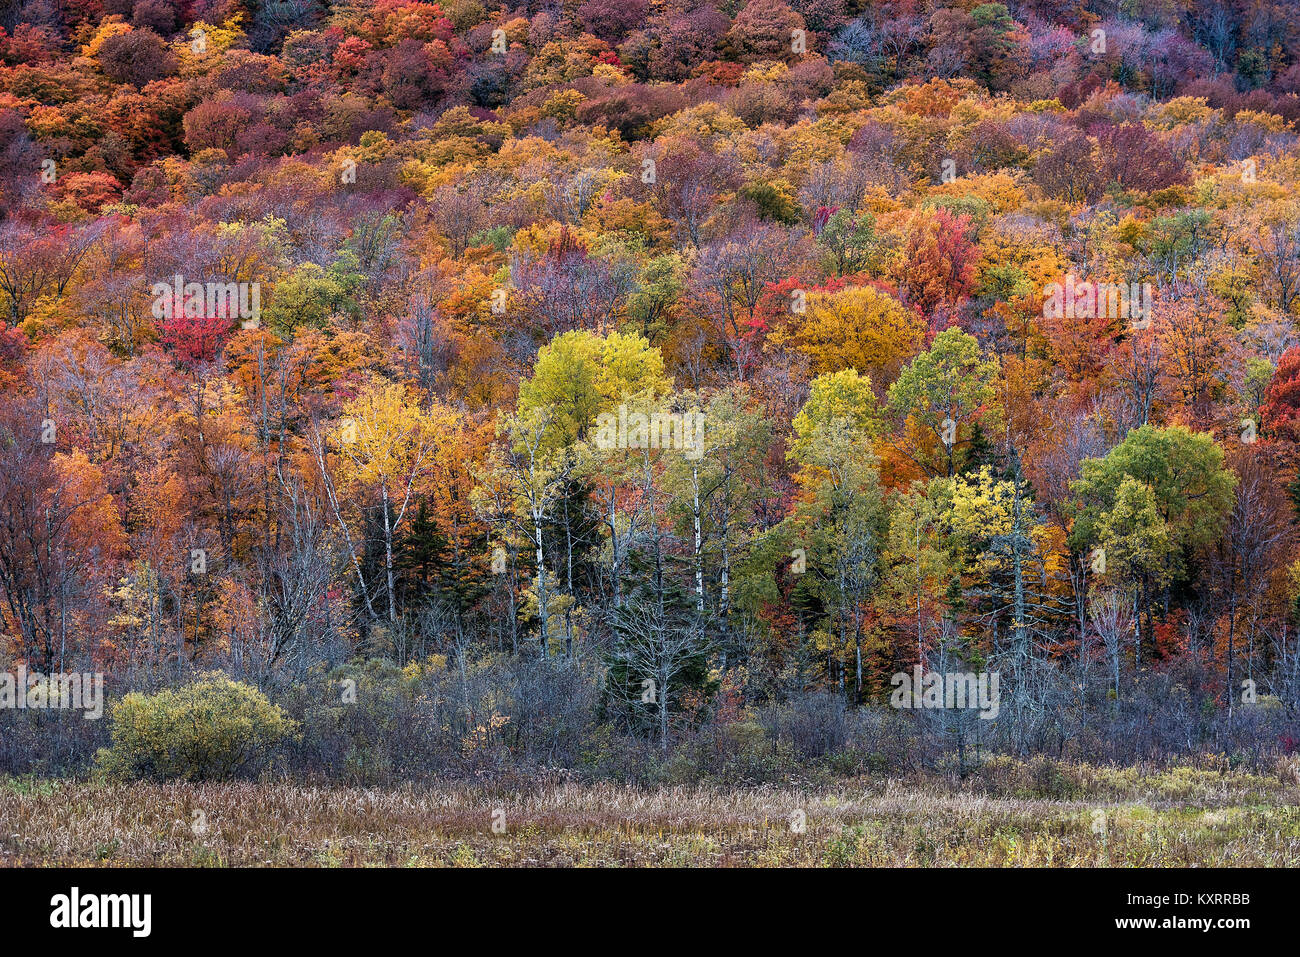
(1016, 815)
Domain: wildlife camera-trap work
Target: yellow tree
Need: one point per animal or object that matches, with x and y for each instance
(552, 464)
(995, 523)
(385, 446)
(858, 328)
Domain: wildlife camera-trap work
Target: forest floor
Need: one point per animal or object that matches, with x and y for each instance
(1059, 816)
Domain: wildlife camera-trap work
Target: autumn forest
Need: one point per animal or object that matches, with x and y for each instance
(648, 389)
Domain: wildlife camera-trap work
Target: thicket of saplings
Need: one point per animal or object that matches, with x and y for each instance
(373, 722)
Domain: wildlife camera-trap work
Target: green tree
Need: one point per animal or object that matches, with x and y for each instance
(944, 393)
(580, 374)
(314, 297)
(841, 523)
(1154, 499)
(1134, 547)
(842, 403)
(850, 241)
(1192, 488)
(659, 286)
(919, 564)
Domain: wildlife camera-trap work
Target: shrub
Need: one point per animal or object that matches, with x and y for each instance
(214, 728)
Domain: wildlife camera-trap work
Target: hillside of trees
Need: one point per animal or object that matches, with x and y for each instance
(577, 380)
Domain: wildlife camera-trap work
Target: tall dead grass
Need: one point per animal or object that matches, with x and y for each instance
(1181, 817)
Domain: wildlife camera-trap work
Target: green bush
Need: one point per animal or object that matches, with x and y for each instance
(213, 729)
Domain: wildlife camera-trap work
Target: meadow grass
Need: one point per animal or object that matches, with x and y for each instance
(1042, 814)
